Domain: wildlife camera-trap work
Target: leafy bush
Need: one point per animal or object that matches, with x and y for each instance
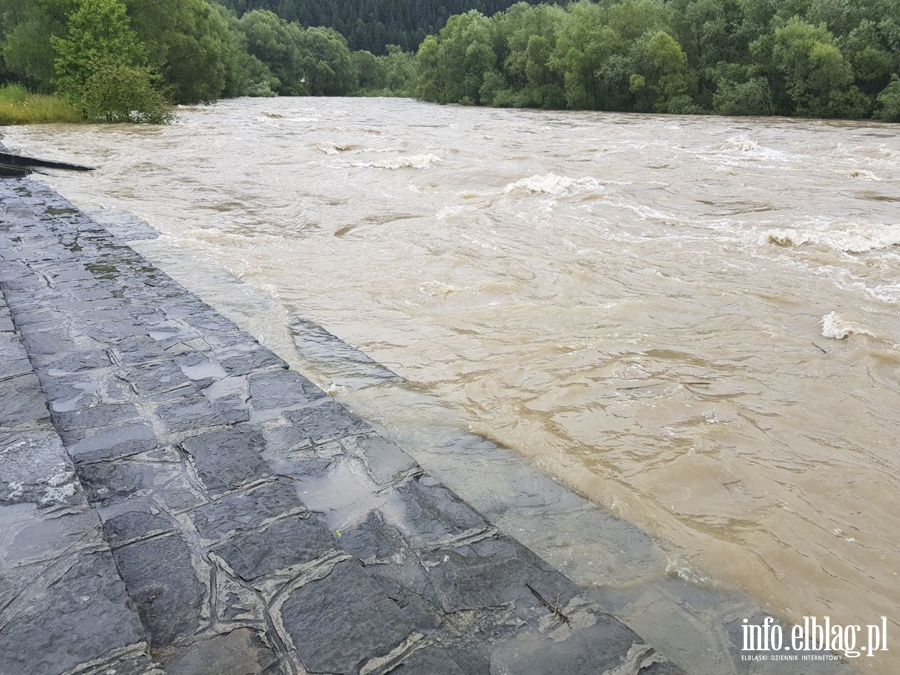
(120, 93)
(888, 102)
(753, 97)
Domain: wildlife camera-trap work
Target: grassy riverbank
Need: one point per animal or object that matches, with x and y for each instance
(18, 106)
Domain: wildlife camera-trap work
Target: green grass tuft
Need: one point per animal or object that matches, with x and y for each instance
(17, 106)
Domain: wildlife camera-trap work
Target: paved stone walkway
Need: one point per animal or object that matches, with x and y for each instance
(170, 490)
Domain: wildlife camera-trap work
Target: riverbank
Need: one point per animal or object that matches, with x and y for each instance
(173, 499)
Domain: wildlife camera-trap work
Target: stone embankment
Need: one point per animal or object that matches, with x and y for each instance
(164, 482)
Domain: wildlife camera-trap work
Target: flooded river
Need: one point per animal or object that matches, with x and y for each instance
(693, 321)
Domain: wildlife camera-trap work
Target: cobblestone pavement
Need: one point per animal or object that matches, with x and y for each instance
(169, 491)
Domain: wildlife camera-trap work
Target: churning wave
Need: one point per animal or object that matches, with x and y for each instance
(554, 184)
(739, 143)
(394, 163)
(334, 148)
(833, 326)
(846, 237)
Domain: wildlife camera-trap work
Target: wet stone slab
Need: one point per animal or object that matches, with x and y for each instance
(159, 475)
(73, 362)
(77, 617)
(326, 421)
(130, 526)
(339, 623)
(96, 416)
(282, 389)
(21, 400)
(155, 379)
(431, 514)
(162, 582)
(286, 543)
(94, 444)
(228, 458)
(193, 411)
(240, 652)
(247, 511)
(36, 469)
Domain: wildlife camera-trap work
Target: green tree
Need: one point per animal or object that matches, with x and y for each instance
(456, 65)
(888, 102)
(26, 29)
(100, 67)
(325, 62)
(806, 63)
(120, 93)
(195, 47)
(530, 36)
(585, 47)
(276, 43)
(662, 82)
(98, 34)
(750, 97)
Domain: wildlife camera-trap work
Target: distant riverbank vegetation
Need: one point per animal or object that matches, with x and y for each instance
(130, 60)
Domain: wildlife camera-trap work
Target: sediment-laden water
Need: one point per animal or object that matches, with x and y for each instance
(694, 321)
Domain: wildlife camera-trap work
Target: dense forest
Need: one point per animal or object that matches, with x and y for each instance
(127, 60)
(818, 58)
(371, 25)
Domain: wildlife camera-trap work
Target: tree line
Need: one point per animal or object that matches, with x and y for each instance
(127, 60)
(815, 58)
(371, 25)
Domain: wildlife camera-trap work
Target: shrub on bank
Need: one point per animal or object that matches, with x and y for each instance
(118, 93)
(18, 106)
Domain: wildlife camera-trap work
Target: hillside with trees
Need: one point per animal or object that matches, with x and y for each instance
(128, 60)
(812, 58)
(371, 25)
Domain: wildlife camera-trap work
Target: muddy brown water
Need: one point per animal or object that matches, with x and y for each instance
(694, 321)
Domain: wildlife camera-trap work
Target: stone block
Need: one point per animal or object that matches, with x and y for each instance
(281, 389)
(30, 535)
(493, 572)
(340, 622)
(607, 646)
(228, 458)
(72, 362)
(160, 578)
(79, 617)
(246, 357)
(240, 652)
(36, 469)
(86, 445)
(96, 416)
(234, 408)
(384, 461)
(279, 546)
(158, 474)
(326, 421)
(137, 350)
(434, 660)
(247, 511)
(13, 367)
(199, 368)
(189, 412)
(155, 379)
(427, 512)
(51, 341)
(21, 400)
(130, 526)
(373, 539)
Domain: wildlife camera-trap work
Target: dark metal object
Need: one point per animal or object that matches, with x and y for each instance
(17, 165)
